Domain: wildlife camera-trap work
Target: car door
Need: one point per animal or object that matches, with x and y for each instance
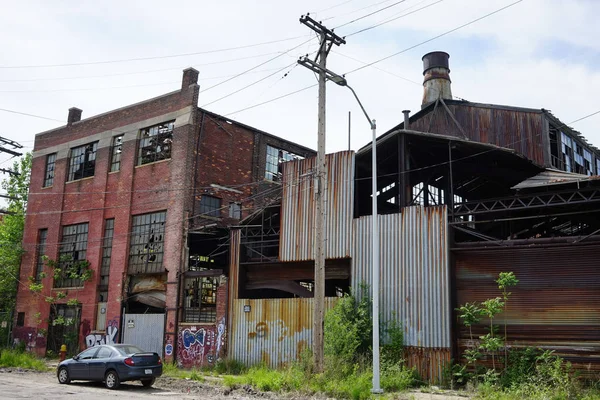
(98, 363)
(80, 368)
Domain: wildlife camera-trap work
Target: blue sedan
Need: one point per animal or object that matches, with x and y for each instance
(111, 364)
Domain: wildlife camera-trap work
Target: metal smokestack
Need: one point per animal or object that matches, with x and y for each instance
(436, 82)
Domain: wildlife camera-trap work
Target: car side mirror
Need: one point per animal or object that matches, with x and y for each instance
(76, 358)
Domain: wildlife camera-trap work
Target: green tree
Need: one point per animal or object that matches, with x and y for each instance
(11, 231)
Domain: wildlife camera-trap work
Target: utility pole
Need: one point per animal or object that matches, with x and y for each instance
(13, 153)
(327, 39)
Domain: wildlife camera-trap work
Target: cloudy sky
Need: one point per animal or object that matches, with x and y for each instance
(60, 54)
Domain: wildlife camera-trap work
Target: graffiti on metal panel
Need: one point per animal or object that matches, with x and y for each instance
(278, 335)
(111, 336)
(200, 346)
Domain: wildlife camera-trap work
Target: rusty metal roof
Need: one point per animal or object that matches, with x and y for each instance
(553, 177)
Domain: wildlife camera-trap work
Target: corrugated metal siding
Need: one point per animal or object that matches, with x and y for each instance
(275, 331)
(514, 129)
(556, 303)
(145, 331)
(298, 208)
(414, 276)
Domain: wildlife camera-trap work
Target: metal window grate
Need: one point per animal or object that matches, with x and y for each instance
(41, 251)
(115, 153)
(210, 206)
(147, 243)
(72, 248)
(200, 300)
(50, 163)
(82, 161)
(155, 143)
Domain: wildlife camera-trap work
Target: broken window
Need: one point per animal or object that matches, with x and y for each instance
(82, 161)
(597, 166)
(201, 299)
(210, 206)
(147, 243)
(109, 229)
(155, 143)
(72, 248)
(115, 153)
(567, 150)
(41, 251)
(587, 161)
(275, 157)
(20, 319)
(50, 162)
(235, 210)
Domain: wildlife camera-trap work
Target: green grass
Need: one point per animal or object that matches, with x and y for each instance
(15, 359)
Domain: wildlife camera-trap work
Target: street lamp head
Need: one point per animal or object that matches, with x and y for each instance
(339, 80)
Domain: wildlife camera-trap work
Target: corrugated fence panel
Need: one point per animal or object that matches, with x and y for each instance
(555, 305)
(298, 207)
(414, 279)
(272, 331)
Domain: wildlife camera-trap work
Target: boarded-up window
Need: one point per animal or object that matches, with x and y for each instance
(147, 243)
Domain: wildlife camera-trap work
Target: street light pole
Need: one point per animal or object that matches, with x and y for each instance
(340, 80)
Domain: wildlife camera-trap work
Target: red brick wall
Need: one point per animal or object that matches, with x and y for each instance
(201, 345)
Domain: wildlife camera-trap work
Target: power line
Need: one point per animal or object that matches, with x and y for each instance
(395, 18)
(271, 100)
(149, 58)
(436, 37)
(355, 11)
(372, 13)
(30, 115)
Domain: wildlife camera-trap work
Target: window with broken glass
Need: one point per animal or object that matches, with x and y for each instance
(41, 251)
(209, 206)
(109, 228)
(146, 247)
(201, 299)
(155, 143)
(115, 153)
(50, 163)
(275, 157)
(82, 161)
(73, 248)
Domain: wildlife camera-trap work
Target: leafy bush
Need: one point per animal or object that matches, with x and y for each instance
(229, 366)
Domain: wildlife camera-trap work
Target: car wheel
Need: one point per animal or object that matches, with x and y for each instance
(63, 376)
(111, 380)
(148, 382)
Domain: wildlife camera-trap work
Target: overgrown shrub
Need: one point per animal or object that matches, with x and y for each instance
(229, 366)
(17, 359)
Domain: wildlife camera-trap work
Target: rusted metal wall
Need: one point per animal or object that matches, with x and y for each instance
(414, 279)
(298, 207)
(555, 305)
(515, 129)
(272, 331)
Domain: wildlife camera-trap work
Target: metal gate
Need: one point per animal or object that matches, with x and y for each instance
(145, 331)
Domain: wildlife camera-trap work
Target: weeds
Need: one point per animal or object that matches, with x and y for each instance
(17, 359)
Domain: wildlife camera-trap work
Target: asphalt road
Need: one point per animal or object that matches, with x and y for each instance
(31, 385)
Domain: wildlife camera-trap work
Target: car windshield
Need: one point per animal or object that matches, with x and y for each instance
(127, 350)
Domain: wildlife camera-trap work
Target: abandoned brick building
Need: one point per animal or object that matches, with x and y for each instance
(144, 193)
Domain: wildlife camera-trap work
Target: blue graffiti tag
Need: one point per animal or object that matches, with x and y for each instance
(189, 337)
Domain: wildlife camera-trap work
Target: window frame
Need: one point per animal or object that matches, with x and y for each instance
(116, 149)
(147, 239)
(209, 206)
(41, 252)
(200, 303)
(77, 248)
(107, 240)
(235, 210)
(50, 172)
(83, 164)
(275, 157)
(155, 133)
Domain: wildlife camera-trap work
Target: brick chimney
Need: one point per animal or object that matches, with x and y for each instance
(190, 77)
(436, 83)
(74, 115)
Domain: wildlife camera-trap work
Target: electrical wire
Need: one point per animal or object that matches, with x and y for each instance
(372, 13)
(150, 58)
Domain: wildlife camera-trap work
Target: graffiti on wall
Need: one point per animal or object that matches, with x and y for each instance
(32, 337)
(110, 337)
(200, 346)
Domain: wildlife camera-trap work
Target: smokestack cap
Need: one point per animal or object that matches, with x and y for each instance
(435, 59)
